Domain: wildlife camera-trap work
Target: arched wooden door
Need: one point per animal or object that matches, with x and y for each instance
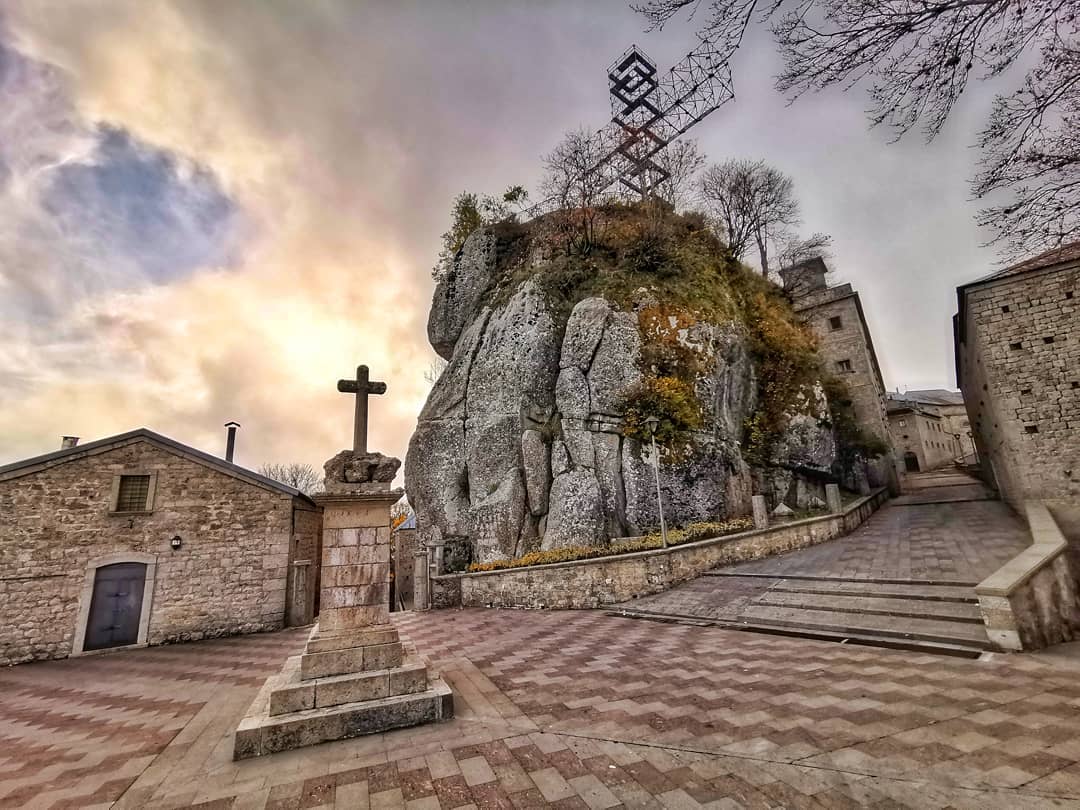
(116, 606)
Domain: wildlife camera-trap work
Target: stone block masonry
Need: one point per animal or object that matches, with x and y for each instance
(1018, 357)
(354, 677)
(230, 574)
(608, 580)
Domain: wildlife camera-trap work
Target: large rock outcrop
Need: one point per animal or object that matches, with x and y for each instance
(521, 444)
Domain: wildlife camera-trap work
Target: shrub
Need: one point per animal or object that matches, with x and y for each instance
(669, 399)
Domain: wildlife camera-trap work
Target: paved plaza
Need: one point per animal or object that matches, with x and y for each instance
(562, 709)
(588, 709)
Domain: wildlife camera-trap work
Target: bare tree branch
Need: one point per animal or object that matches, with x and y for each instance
(754, 203)
(919, 56)
(303, 477)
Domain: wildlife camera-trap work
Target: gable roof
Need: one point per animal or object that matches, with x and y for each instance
(43, 462)
(1058, 255)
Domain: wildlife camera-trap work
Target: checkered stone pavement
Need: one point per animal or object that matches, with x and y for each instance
(562, 709)
(77, 733)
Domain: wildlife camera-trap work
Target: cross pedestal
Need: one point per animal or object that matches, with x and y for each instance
(355, 677)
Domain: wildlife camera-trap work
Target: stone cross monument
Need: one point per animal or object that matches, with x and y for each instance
(354, 677)
(361, 387)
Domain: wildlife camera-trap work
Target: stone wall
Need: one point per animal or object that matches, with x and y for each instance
(1033, 601)
(606, 580)
(304, 565)
(404, 560)
(836, 316)
(229, 576)
(925, 436)
(1018, 354)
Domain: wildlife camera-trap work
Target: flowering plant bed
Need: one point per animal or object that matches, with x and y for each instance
(690, 534)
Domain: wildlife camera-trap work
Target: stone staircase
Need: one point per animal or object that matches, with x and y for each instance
(937, 617)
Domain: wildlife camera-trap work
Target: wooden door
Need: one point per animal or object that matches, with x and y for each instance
(116, 606)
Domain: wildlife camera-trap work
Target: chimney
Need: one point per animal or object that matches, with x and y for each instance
(67, 442)
(230, 444)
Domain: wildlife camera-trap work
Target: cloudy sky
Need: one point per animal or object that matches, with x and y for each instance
(212, 211)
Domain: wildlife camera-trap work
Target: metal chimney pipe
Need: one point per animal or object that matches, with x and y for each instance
(230, 444)
(67, 442)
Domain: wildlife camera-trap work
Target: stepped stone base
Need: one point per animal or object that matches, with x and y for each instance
(345, 685)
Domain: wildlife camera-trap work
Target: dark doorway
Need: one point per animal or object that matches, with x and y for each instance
(911, 462)
(116, 606)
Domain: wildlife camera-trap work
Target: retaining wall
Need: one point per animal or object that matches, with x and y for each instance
(606, 580)
(1033, 600)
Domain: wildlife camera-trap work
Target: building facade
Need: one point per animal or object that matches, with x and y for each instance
(1017, 340)
(138, 539)
(836, 316)
(920, 438)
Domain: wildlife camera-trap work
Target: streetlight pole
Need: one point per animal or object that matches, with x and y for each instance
(652, 423)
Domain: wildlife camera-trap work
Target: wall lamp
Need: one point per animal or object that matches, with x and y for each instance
(176, 542)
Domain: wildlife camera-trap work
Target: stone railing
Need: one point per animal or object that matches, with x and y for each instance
(607, 580)
(1033, 600)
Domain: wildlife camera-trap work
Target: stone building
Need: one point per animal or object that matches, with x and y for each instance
(949, 405)
(137, 539)
(1017, 340)
(920, 437)
(836, 315)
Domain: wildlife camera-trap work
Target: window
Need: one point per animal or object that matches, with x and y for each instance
(844, 365)
(132, 494)
(903, 423)
(836, 323)
(1005, 308)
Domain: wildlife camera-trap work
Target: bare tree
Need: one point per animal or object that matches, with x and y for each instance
(755, 204)
(298, 476)
(796, 249)
(919, 57)
(682, 161)
(726, 190)
(434, 370)
(573, 185)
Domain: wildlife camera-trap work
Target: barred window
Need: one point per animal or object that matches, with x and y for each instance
(133, 492)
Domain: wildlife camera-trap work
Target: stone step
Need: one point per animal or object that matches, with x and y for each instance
(731, 572)
(935, 630)
(259, 733)
(874, 606)
(959, 650)
(293, 694)
(935, 593)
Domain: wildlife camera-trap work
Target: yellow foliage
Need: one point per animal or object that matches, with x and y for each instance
(692, 533)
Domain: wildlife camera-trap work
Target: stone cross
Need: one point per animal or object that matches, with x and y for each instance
(361, 386)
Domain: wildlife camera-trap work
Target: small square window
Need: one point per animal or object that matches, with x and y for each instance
(1069, 295)
(836, 323)
(1017, 345)
(1031, 428)
(1048, 340)
(1005, 308)
(132, 493)
(844, 365)
(903, 423)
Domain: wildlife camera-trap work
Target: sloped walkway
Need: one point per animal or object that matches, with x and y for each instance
(906, 575)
